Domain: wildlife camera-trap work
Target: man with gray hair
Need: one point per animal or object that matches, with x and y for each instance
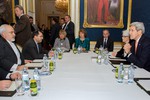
(10, 57)
(139, 50)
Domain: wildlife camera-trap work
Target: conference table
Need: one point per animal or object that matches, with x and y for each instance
(78, 77)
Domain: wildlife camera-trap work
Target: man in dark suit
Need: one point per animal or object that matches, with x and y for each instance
(10, 57)
(62, 22)
(22, 28)
(33, 26)
(69, 28)
(105, 41)
(32, 49)
(139, 50)
(54, 30)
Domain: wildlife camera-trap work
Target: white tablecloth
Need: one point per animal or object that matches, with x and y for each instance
(76, 77)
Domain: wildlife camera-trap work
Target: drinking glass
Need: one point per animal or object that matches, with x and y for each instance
(19, 87)
(126, 73)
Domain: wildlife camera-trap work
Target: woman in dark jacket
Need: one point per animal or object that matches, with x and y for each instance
(125, 39)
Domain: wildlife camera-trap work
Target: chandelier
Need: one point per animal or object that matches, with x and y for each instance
(61, 5)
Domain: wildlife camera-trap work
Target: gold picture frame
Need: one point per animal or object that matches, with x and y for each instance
(7, 11)
(95, 15)
(129, 13)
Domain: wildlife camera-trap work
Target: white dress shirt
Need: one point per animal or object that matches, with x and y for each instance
(65, 26)
(13, 46)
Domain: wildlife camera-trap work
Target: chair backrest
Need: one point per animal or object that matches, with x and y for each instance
(117, 46)
(92, 45)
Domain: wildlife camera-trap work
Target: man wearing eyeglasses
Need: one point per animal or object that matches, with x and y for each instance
(10, 57)
(125, 40)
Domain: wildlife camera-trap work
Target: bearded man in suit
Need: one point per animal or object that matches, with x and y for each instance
(10, 57)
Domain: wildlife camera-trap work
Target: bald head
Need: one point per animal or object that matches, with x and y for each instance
(105, 33)
(7, 32)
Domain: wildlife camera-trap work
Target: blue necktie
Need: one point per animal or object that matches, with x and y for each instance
(37, 47)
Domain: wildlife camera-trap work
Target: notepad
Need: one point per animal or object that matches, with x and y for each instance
(10, 91)
(93, 59)
(116, 65)
(34, 65)
(37, 60)
(145, 84)
(119, 61)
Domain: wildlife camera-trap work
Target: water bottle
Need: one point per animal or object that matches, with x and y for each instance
(79, 49)
(99, 58)
(36, 76)
(58, 49)
(25, 79)
(102, 58)
(106, 59)
(51, 65)
(101, 48)
(45, 62)
(55, 55)
(131, 73)
(120, 73)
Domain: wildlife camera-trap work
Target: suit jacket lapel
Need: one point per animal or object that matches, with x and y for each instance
(139, 47)
(18, 49)
(9, 46)
(66, 27)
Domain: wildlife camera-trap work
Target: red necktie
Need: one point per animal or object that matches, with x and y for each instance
(136, 45)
